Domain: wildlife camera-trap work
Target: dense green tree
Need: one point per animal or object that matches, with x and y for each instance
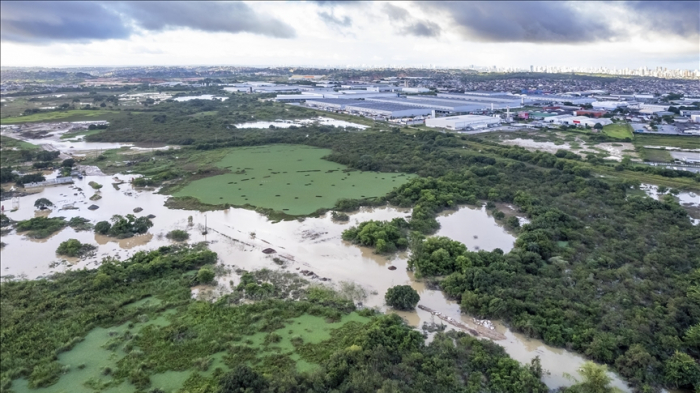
(402, 297)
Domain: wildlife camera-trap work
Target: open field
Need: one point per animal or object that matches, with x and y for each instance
(7, 142)
(655, 155)
(289, 178)
(619, 131)
(70, 115)
(681, 141)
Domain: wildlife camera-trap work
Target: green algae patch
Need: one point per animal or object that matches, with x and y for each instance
(292, 179)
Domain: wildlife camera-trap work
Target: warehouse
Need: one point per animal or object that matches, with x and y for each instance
(385, 109)
(466, 122)
(448, 106)
(610, 105)
(336, 104)
(557, 98)
(484, 102)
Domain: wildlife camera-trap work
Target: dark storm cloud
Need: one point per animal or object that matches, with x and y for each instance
(681, 18)
(38, 22)
(222, 17)
(334, 21)
(545, 22)
(43, 22)
(422, 29)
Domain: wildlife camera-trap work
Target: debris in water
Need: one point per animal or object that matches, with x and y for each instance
(138, 210)
(93, 207)
(151, 216)
(269, 251)
(392, 267)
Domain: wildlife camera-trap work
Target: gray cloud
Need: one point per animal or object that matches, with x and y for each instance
(228, 17)
(335, 21)
(39, 22)
(527, 21)
(422, 29)
(44, 22)
(395, 13)
(680, 18)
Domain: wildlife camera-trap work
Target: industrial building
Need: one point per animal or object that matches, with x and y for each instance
(465, 122)
(440, 105)
(385, 109)
(482, 101)
(343, 94)
(558, 98)
(610, 105)
(577, 120)
(335, 104)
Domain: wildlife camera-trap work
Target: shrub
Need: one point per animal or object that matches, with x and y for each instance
(102, 227)
(205, 275)
(178, 235)
(95, 185)
(68, 163)
(402, 297)
(41, 227)
(73, 248)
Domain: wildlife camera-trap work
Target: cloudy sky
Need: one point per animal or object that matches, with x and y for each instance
(328, 33)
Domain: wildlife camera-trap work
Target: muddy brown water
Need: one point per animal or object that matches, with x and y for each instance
(313, 244)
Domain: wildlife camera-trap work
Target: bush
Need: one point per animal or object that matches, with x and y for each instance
(402, 297)
(335, 216)
(41, 227)
(31, 178)
(73, 248)
(68, 163)
(178, 235)
(95, 185)
(102, 227)
(205, 275)
(123, 227)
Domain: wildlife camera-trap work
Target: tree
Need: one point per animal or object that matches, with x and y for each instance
(102, 227)
(402, 297)
(242, 380)
(43, 203)
(205, 275)
(73, 248)
(178, 235)
(68, 163)
(681, 370)
(598, 126)
(595, 380)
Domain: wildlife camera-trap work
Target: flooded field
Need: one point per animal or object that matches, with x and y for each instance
(689, 200)
(239, 236)
(326, 121)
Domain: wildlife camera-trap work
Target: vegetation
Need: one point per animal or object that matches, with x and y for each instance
(43, 203)
(95, 185)
(138, 322)
(402, 297)
(74, 248)
(287, 178)
(618, 131)
(385, 236)
(342, 217)
(178, 235)
(123, 227)
(594, 380)
(41, 227)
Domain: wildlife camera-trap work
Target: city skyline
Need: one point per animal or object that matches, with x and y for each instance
(513, 35)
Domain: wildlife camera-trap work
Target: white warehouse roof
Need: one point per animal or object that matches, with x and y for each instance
(462, 122)
(387, 109)
(424, 102)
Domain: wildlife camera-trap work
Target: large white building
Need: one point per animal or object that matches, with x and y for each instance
(610, 105)
(385, 109)
(543, 98)
(465, 122)
(577, 120)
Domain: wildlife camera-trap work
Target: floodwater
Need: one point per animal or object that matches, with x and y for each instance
(202, 97)
(688, 199)
(53, 141)
(475, 228)
(239, 236)
(615, 150)
(327, 121)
